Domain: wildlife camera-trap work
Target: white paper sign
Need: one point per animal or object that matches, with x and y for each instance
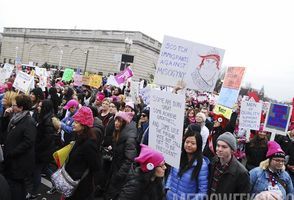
(134, 90)
(250, 114)
(40, 71)
(43, 82)
(111, 81)
(166, 125)
(23, 81)
(196, 64)
(145, 94)
(5, 72)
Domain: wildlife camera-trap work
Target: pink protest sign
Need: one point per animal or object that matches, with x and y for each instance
(124, 75)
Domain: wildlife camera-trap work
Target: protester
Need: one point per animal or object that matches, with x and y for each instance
(190, 118)
(145, 181)
(191, 179)
(228, 175)
(45, 144)
(19, 148)
(104, 113)
(218, 129)
(271, 175)
(66, 124)
(143, 127)
(83, 158)
(200, 120)
(124, 151)
(5, 117)
(256, 149)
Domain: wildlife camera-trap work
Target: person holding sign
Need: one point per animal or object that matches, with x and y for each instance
(271, 175)
(190, 181)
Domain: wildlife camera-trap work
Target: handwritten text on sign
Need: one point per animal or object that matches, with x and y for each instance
(250, 115)
(166, 125)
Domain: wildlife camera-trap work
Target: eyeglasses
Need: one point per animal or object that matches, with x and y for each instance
(279, 160)
(143, 115)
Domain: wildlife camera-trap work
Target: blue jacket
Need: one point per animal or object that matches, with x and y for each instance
(184, 187)
(259, 180)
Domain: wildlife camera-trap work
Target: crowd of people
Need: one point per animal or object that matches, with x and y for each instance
(111, 156)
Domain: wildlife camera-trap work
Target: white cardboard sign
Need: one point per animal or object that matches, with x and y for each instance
(166, 124)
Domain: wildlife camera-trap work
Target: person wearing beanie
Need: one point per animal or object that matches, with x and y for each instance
(124, 147)
(190, 181)
(84, 157)
(145, 180)
(228, 175)
(200, 120)
(271, 175)
(217, 129)
(66, 124)
(143, 127)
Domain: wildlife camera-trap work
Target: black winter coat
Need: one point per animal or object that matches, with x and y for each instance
(124, 152)
(215, 133)
(140, 186)
(45, 141)
(19, 149)
(83, 156)
(234, 180)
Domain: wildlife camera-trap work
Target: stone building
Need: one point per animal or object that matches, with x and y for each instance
(95, 50)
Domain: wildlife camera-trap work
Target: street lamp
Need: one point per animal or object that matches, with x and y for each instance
(16, 51)
(59, 64)
(86, 62)
(128, 44)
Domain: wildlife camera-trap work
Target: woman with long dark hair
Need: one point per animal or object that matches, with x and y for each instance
(256, 149)
(56, 100)
(124, 151)
(145, 181)
(84, 158)
(191, 179)
(45, 142)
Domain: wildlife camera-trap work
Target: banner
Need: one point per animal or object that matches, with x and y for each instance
(145, 94)
(68, 74)
(124, 75)
(5, 72)
(23, 82)
(95, 81)
(250, 115)
(166, 125)
(40, 71)
(197, 65)
(277, 118)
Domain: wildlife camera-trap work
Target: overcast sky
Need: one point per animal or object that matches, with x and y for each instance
(257, 34)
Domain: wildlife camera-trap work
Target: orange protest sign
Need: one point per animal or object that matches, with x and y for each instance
(233, 77)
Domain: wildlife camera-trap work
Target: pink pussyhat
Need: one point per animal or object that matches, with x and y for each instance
(127, 116)
(149, 159)
(274, 150)
(84, 116)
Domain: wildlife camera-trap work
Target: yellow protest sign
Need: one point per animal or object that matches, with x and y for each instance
(95, 81)
(86, 80)
(226, 112)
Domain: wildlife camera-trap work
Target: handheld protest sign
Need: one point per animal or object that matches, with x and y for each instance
(166, 124)
(278, 118)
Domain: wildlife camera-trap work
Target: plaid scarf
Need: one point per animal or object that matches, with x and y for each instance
(219, 170)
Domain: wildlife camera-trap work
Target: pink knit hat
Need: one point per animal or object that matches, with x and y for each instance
(100, 96)
(84, 116)
(274, 150)
(149, 158)
(127, 116)
(131, 105)
(70, 104)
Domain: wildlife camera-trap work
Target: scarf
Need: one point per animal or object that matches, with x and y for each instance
(16, 118)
